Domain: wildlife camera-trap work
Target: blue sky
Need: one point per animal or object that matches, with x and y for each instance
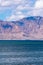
(11, 10)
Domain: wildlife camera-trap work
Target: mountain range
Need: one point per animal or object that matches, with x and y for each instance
(28, 28)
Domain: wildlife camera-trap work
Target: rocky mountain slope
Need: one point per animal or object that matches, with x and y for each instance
(28, 28)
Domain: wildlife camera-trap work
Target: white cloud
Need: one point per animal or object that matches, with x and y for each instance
(38, 8)
(17, 1)
(39, 4)
(21, 7)
(10, 18)
(15, 17)
(21, 16)
(5, 3)
(9, 2)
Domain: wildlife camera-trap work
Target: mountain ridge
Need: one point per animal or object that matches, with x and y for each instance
(26, 28)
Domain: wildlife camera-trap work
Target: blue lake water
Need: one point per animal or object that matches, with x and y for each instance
(21, 54)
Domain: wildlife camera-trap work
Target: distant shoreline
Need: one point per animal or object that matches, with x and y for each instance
(17, 42)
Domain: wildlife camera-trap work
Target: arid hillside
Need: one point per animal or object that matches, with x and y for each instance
(29, 28)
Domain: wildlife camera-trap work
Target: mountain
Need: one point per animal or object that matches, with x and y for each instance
(28, 28)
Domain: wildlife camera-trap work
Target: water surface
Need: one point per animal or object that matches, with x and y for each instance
(21, 54)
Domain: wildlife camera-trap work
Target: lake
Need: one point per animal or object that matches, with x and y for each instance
(21, 54)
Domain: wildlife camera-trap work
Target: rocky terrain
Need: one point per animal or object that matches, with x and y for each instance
(28, 28)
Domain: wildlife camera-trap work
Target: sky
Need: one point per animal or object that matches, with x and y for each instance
(12, 10)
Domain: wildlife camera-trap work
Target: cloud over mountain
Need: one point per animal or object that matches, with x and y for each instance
(17, 9)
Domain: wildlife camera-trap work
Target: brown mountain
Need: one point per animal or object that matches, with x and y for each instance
(29, 28)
